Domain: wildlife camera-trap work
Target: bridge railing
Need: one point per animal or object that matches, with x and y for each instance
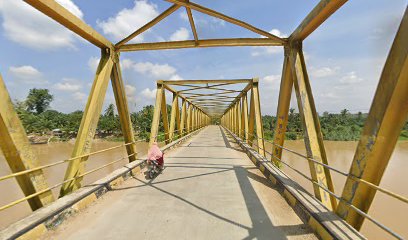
(386, 118)
(324, 188)
(176, 135)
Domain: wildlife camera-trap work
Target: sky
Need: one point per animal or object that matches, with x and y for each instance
(344, 57)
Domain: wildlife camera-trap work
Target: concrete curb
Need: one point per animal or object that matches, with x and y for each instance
(325, 223)
(47, 218)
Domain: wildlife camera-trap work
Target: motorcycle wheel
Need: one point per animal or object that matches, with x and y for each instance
(151, 174)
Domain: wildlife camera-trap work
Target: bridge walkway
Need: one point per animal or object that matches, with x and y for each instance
(208, 190)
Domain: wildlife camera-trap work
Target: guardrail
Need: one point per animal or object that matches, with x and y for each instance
(16, 174)
(365, 215)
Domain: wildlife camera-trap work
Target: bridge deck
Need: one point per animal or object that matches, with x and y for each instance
(209, 190)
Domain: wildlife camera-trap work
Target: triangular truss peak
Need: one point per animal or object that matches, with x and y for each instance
(270, 40)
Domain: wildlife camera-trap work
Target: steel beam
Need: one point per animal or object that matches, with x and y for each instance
(258, 117)
(202, 43)
(229, 19)
(313, 137)
(19, 154)
(387, 116)
(154, 131)
(174, 116)
(55, 11)
(123, 110)
(88, 125)
(165, 118)
(323, 10)
(285, 94)
(148, 25)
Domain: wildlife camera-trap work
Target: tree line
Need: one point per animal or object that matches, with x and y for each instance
(38, 118)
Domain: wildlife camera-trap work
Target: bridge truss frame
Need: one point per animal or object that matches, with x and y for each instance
(386, 118)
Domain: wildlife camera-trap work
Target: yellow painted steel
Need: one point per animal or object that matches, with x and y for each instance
(239, 116)
(174, 117)
(54, 10)
(189, 113)
(156, 114)
(244, 120)
(323, 10)
(19, 154)
(165, 118)
(285, 93)
(313, 137)
(123, 110)
(148, 25)
(183, 120)
(251, 122)
(89, 123)
(258, 117)
(387, 116)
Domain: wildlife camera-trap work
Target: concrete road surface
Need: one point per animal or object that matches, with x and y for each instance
(208, 190)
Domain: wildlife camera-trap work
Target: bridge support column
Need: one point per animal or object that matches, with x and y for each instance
(189, 113)
(174, 118)
(19, 154)
(88, 125)
(183, 120)
(387, 116)
(256, 117)
(285, 93)
(165, 118)
(311, 126)
(123, 110)
(244, 118)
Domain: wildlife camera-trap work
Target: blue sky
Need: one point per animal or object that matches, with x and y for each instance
(344, 56)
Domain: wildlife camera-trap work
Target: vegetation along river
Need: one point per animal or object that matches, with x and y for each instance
(387, 210)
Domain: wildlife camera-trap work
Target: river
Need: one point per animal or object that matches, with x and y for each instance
(387, 210)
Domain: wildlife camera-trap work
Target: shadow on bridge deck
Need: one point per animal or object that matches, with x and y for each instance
(208, 190)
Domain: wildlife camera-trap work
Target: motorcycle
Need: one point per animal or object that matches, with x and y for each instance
(153, 169)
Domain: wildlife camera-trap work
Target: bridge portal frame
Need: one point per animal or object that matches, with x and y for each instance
(379, 126)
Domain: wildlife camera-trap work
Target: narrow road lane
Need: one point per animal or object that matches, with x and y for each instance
(208, 190)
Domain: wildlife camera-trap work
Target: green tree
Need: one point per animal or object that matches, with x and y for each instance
(38, 100)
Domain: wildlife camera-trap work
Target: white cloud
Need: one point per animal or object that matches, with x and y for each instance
(269, 50)
(70, 6)
(149, 94)
(175, 77)
(126, 63)
(271, 81)
(180, 35)
(323, 72)
(93, 63)
(155, 70)
(351, 78)
(68, 85)
(163, 71)
(278, 33)
(129, 20)
(27, 26)
(25, 71)
(183, 15)
(27, 74)
(130, 90)
(80, 96)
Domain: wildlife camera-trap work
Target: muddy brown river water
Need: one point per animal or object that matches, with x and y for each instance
(385, 209)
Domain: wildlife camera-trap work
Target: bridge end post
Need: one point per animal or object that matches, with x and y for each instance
(19, 154)
(387, 116)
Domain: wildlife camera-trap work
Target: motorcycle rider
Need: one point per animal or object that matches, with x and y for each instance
(155, 153)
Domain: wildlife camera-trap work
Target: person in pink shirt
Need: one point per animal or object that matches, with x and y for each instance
(155, 153)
